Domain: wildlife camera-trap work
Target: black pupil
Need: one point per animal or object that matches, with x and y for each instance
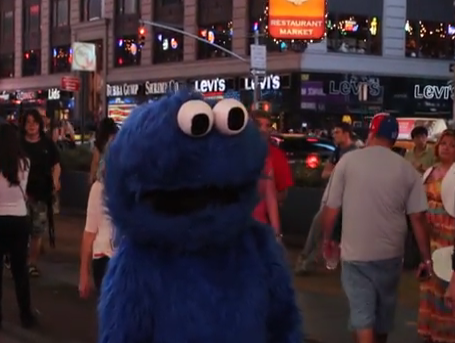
(200, 124)
(236, 119)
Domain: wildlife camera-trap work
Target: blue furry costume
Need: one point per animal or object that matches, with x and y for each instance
(192, 265)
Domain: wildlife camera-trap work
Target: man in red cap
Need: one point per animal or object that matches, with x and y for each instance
(375, 188)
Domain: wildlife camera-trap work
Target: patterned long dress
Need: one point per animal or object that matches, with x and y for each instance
(436, 322)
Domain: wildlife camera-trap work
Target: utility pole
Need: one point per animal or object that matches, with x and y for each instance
(257, 60)
(257, 67)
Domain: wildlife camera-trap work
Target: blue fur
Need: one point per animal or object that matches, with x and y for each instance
(215, 276)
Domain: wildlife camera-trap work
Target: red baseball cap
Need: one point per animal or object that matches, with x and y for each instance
(385, 126)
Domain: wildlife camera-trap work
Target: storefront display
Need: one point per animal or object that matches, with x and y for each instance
(325, 98)
(122, 99)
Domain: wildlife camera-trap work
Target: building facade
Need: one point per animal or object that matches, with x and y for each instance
(400, 50)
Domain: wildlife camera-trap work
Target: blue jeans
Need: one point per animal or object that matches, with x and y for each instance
(371, 288)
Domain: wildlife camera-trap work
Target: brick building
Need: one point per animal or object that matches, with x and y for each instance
(394, 47)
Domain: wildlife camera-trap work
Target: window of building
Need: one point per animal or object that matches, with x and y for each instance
(6, 66)
(61, 59)
(92, 9)
(32, 18)
(430, 39)
(7, 23)
(167, 47)
(127, 7)
(220, 34)
(60, 13)
(31, 63)
(354, 34)
(259, 24)
(127, 51)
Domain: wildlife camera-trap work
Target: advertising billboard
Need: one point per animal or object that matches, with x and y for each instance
(297, 19)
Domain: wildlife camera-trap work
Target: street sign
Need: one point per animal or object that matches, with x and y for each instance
(84, 57)
(297, 19)
(452, 67)
(70, 83)
(258, 57)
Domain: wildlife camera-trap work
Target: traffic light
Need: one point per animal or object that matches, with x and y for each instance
(141, 36)
(262, 106)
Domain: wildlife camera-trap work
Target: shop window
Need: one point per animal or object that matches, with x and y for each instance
(92, 9)
(6, 66)
(60, 13)
(127, 51)
(61, 59)
(167, 47)
(354, 34)
(32, 18)
(430, 39)
(31, 63)
(7, 24)
(127, 7)
(220, 34)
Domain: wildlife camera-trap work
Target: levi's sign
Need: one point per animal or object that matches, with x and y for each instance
(430, 92)
(210, 86)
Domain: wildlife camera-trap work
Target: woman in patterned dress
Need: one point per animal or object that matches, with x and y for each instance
(436, 322)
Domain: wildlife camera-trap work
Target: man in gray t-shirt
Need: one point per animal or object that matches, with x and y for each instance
(375, 188)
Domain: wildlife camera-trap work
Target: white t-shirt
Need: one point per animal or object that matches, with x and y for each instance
(12, 201)
(99, 222)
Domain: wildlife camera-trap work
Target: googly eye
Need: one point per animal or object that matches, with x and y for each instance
(195, 118)
(231, 116)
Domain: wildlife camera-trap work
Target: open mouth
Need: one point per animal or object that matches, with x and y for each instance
(185, 201)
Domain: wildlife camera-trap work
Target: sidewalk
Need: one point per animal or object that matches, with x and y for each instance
(63, 315)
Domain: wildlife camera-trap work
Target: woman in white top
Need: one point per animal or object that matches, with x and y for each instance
(14, 223)
(96, 247)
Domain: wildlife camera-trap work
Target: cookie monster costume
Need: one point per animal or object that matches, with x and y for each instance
(192, 266)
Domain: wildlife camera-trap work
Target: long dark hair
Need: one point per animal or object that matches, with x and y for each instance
(106, 129)
(36, 117)
(11, 155)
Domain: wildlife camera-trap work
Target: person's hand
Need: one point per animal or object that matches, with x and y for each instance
(449, 296)
(329, 248)
(85, 285)
(425, 270)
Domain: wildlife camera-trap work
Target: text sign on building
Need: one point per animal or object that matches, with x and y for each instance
(53, 94)
(431, 92)
(370, 87)
(210, 86)
(122, 90)
(155, 88)
(84, 57)
(270, 82)
(70, 83)
(297, 19)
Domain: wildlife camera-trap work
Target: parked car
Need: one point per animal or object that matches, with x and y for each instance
(313, 151)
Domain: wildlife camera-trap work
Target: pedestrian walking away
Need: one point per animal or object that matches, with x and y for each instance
(375, 188)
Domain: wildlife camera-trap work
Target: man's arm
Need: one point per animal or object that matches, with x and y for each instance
(330, 165)
(328, 169)
(420, 228)
(416, 206)
(56, 169)
(334, 198)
